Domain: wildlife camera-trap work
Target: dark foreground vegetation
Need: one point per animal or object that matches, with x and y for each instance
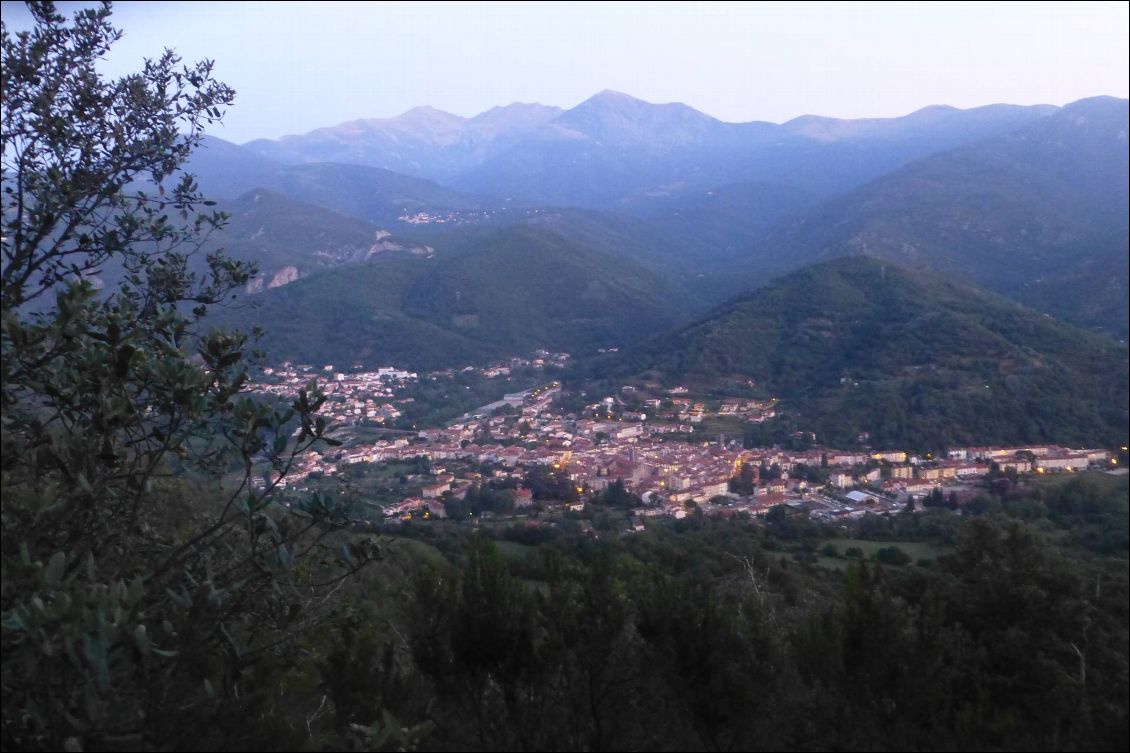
(726, 635)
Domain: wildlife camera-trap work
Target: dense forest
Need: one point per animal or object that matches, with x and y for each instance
(720, 636)
(1003, 628)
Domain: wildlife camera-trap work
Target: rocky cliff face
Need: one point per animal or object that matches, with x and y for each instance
(284, 276)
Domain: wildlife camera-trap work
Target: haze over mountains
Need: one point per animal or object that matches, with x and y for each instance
(423, 141)
(1024, 213)
(227, 171)
(652, 213)
(290, 240)
(616, 148)
(491, 293)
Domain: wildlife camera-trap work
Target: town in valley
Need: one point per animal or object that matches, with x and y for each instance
(643, 450)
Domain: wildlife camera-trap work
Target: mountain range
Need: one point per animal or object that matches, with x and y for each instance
(614, 148)
(424, 141)
(1028, 214)
(530, 226)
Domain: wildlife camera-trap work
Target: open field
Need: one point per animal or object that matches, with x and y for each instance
(916, 550)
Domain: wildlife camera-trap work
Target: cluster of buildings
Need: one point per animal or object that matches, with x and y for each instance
(1038, 458)
(447, 218)
(354, 396)
(675, 404)
(670, 474)
(357, 396)
(455, 217)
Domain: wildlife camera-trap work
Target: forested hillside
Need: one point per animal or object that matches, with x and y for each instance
(861, 345)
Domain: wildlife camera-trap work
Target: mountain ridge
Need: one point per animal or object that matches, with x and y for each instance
(858, 344)
(613, 146)
(1001, 212)
(491, 292)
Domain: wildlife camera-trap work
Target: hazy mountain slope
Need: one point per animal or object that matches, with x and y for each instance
(373, 194)
(1085, 286)
(490, 293)
(1007, 212)
(612, 146)
(287, 239)
(290, 240)
(525, 287)
(725, 219)
(935, 128)
(714, 186)
(362, 200)
(424, 141)
(625, 236)
(859, 345)
(615, 148)
(227, 171)
(352, 315)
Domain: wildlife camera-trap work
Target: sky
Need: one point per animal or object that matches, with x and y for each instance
(297, 66)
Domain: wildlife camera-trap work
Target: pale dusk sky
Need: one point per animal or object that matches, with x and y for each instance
(297, 66)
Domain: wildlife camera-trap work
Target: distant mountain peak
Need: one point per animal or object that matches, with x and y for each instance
(1103, 105)
(516, 115)
(611, 99)
(611, 95)
(613, 118)
(989, 119)
(426, 111)
(517, 107)
(425, 116)
(1105, 100)
(935, 110)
